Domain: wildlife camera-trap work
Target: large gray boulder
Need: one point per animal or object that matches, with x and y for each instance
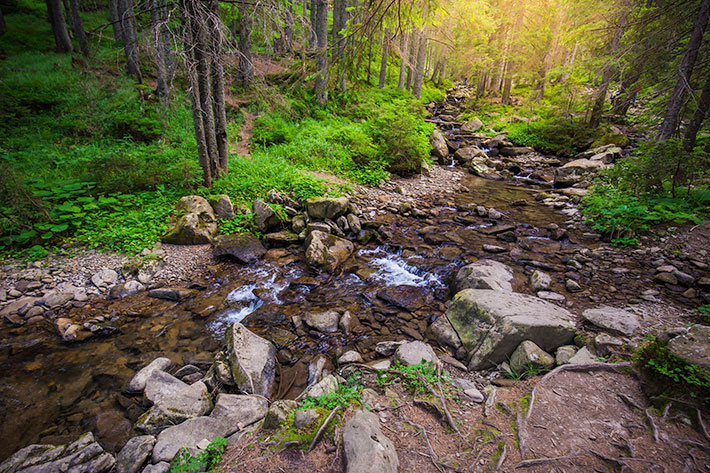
(444, 332)
(472, 125)
(484, 274)
(244, 247)
(327, 251)
(134, 454)
(466, 154)
(192, 401)
(264, 216)
(367, 450)
(530, 355)
(161, 385)
(321, 208)
(196, 223)
(576, 170)
(326, 321)
(491, 324)
(223, 207)
(413, 353)
(252, 360)
(84, 455)
(438, 143)
(692, 346)
(613, 319)
(137, 383)
(231, 413)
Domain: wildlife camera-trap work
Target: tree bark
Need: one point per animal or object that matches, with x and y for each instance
(59, 27)
(245, 71)
(369, 58)
(343, 44)
(78, 28)
(115, 21)
(421, 59)
(217, 76)
(321, 84)
(383, 62)
(314, 13)
(507, 85)
(130, 38)
(413, 50)
(607, 73)
(685, 69)
(336, 28)
(691, 132)
(626, 95)
(165, 67)
(481, 87)
(404, 51)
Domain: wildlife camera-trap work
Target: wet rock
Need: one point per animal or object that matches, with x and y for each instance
(172, 293)
(406, 297)
(134, 454)
(251, 359)
(515, 150)
(298, 224)
(231, 413)
(223, 207)
(468, 153)
(350, 356)
(305, 418)
(438, 143)
(347, 322)
(105, 277)
(161, 385)
(84, 455)
(279, 412)
(120, 291)
(326, 251)
(68, 330)
(244, 247)
(494, 249)
(196, 224)
(322, 321)
(264, 216)
(528, 354)
(692, 346)
(413, 353)
(484, 274)
(445, 334)
(137, 383)
(281, 239)
(19, 306)
(582, 356)
(491, 324)
(354, 223)
(367, 450)
(321, 208)
(472, 125)
(540, 281)
(610, 318)
(54, 299)
(551, 296)
(564, 354)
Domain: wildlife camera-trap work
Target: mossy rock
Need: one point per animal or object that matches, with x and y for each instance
(612, 139)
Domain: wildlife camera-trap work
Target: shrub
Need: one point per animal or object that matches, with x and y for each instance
(136, 126)
(555, 135)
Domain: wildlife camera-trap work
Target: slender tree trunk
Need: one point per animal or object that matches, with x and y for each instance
(304, 3)
(626, 95)
(336, 28)
(78, 28)
(344, 45)
(288, 30)
(59, 27)
(570, 63)
(321, 85)
(369, 59)
(383, 62)
(245, 71)
(115, 21)
(685, 69)
(607, 74)
(691, 132)
(481, 87)
(217, 75)
(421, 58)
(314, 13)
(413, 51)
(507, 85)
(235, 38)
(164, 65)
(130, 38)
(404, 50)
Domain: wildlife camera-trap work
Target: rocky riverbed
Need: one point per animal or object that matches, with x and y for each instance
(382, 266)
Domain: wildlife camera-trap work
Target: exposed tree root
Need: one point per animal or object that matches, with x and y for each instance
(324, 426)
(503, 456)
(542, 461)
(654, 429)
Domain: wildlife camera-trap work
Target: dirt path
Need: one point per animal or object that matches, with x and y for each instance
(242, 146)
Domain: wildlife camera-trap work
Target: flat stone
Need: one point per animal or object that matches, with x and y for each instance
(134, 454)
(583, 356)
(692, 346)
(321, 208)
(484, 274)
(252, 360)
(137, 383)
(172, 293)
(413, 353)
(613, 319)
(551, 296)
(326, 322)
(161, 385)
(367, 449)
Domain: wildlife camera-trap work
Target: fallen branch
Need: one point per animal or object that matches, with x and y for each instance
(480, 453)
(629, 401)
(542, 461)
(654, 429)
(666, 411)
(324, 426)
(702, 424)
(522, 435)
(502, 458)
(434, 458)
(693, 443)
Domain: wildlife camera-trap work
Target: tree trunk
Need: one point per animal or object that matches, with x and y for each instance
(3, 26)
(59, 27)
(685, 69)
(314, 13)
(217, 72)
(691, 132)
(507, 85)
(321, 85)
(383, 62)
(165, 66)
(413, 50)
(289, 26)
(404, 50)
(627, 95)
(607, 74)
(336, 28)
(245, 71)
(481, 87)
(421, 59)
(570, 63)
(115, 21)
(78, 28)
(304, 3)
(369, 59)
(130, 38)
(343, 41)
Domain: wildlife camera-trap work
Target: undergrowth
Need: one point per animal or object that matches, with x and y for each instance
(418, 378)
(205, 461)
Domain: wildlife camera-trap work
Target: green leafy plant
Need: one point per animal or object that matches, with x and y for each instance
(416, 378)
(524, 372)
(346, 394)
(206, 460)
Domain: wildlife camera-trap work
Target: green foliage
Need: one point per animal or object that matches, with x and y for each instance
(205, 461)
(347, 393)
(704, 309)
(241, 223)
(676, 374)
(554, 135)
(137, 127)
(416, 377)
(524, 372)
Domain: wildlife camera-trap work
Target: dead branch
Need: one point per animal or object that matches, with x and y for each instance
(654, 429)
(693, 443)
(502, 458)
(522, 434)
(324, 426)
(542, 461)
(666, 411)
(629, 401)
(490, 402)
(702, 424)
